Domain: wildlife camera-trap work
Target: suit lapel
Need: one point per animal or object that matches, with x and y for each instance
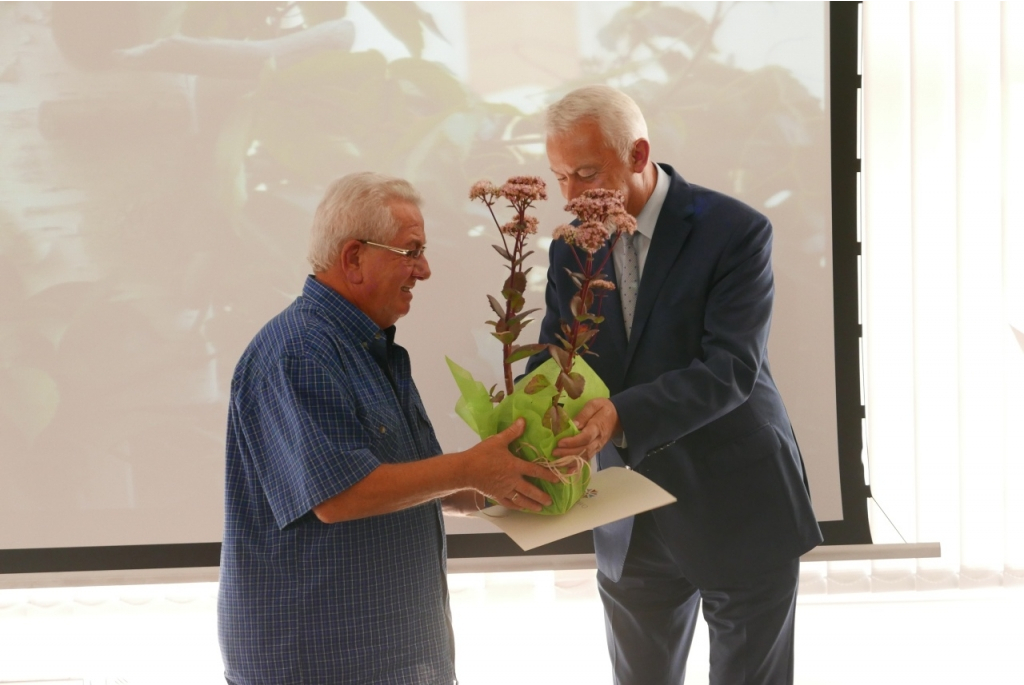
(669, 236)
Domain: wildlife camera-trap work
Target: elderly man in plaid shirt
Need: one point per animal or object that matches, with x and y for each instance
(333, 561)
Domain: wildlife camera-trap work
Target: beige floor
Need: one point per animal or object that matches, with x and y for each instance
(513, 628)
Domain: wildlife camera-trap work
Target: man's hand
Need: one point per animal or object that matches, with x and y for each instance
(500, 475)
(488, 468)
(598, 421)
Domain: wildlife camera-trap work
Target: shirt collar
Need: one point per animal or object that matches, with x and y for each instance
(351, 317)
(648, 217)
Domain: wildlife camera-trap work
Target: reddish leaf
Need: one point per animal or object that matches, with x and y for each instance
(572, 384)
(521, 315)
(496, 306)
(517, 282)
(555, 419)
(523, 351)
(584, 336)
(514, 298)
(560, 356)
(573, 274)
(506, 337)
(575, 305)
(536, 384)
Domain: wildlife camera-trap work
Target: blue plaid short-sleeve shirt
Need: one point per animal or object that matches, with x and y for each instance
(319, 399)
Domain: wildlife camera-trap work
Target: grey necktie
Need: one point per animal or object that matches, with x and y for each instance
(629, 281)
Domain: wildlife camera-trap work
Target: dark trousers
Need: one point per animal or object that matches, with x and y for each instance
(650, 614)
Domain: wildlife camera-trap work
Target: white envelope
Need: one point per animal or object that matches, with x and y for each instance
(617, 493)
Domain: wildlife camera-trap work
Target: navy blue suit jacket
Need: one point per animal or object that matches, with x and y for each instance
(694, 392)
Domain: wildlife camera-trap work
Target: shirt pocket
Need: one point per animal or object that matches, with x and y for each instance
(385, 428)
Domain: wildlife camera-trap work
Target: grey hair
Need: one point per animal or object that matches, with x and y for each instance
(617, 116)
(356, 206)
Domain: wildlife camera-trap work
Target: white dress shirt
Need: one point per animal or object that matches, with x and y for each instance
(645, 223)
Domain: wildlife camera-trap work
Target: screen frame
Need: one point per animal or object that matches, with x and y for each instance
(845, 83)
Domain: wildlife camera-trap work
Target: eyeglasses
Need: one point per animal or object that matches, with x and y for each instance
(414, 253)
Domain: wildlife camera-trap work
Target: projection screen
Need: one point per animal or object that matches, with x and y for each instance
(161, 161)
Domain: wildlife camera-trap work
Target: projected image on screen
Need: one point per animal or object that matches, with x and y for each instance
(160, 163)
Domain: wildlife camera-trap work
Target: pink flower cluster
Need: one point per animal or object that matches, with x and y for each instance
(528, 225)
(520, 189)
(484, 190)
(599, 211)
(598, 205)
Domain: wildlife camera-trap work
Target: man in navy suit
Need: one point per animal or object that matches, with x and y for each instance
(683, 350)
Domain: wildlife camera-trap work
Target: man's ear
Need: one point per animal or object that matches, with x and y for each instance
(641, 155)
(350, 261)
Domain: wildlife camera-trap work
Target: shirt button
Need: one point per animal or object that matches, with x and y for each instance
(628, 467)
(383, 429)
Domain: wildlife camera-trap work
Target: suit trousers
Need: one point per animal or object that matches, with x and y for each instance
(651, 612)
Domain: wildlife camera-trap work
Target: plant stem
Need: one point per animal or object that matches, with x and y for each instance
(516, 267)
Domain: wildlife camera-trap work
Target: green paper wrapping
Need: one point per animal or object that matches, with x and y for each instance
(537, 442)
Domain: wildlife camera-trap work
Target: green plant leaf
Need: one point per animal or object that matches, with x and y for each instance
(524, 351)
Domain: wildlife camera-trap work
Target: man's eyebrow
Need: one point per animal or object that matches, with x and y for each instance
(577, 169)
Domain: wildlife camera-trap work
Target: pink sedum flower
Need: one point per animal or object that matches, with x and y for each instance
(596, 205)
(622, 221)
(527, 226)
(484, 190)
(563, 232)
(591, 236)
(520, 189)
(600, 212)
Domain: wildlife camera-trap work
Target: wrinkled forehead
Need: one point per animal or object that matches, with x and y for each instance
(411, 227)
(579, 146)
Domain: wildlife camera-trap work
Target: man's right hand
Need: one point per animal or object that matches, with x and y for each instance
(500, 475)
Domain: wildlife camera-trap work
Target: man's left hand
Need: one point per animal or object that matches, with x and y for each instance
(598, 421)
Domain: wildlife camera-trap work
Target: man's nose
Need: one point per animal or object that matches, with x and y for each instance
(422, 270)
(572, 189)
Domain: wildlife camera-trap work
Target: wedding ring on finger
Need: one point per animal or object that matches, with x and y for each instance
(514, 497)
